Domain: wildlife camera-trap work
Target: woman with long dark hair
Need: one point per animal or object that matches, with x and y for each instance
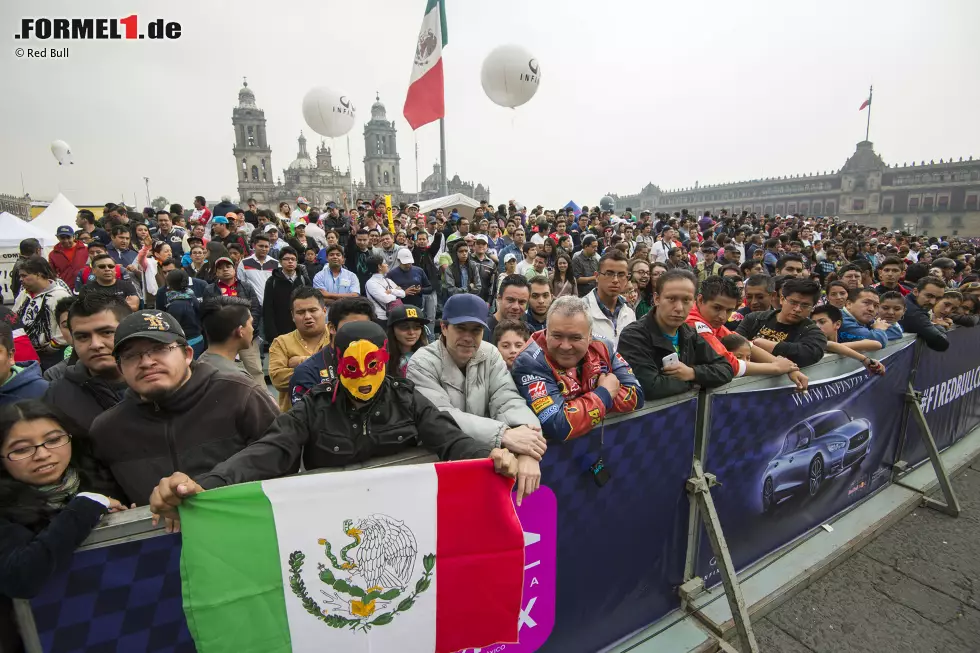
(563, 281)
(548, 248)
(406, 335)
(48, 499)
(41, 290)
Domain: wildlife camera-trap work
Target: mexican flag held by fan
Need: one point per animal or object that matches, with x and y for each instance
(419, 558)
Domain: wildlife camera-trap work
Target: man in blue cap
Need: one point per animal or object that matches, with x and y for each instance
(467, 378)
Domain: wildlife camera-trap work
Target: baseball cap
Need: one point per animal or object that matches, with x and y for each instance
(301, 200)
(405, 313)
(510, 257)
(588, 240)
(159, 326)
(65, 230)
(405, 256)
(221, 220)
(463, 308)
(271, 227)
(482, 238)
(223, 259)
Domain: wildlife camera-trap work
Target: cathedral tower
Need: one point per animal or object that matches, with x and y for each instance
(253, 156)
(382, 172)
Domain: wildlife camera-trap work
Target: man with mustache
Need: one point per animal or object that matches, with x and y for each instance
(176, 414)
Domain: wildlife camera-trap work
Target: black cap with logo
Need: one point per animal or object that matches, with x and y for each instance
(150, 324)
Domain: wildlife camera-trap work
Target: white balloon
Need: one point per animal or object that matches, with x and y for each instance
(328, 112)
(62, 152)
(510, 75)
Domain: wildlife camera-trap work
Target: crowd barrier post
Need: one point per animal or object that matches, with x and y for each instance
(901, 466)
(694, 520)
(699, 488)
(951, 505)
(24, 617)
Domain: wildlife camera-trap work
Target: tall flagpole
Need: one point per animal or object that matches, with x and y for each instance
(416, 166)
(867, 130)
(442, 156)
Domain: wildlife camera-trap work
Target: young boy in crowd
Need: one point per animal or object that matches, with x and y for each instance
(509, 337)
(891, 310)
(739, 347)
(829, 318)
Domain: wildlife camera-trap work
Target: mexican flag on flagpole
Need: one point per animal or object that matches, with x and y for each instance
(420, 558)
(425, 102)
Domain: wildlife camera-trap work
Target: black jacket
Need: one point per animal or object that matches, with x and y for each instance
(277, 310)
(916, 320)
(203, 423)
(79, 397)
(245, 291)
(425, 259)
(327, 431)
(804, 345)
(29, 558)
(341, 224)
(644, 347)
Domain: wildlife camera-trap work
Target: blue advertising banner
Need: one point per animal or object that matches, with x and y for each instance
(950, 386)
(600, 562)
(621, 547)
(789, 461)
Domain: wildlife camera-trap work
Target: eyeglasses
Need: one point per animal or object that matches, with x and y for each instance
(25, 452)
(105, 267)
(156, 352)
(609, 274)
(800, 305)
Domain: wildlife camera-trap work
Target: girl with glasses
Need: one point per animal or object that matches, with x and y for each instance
(49, 501)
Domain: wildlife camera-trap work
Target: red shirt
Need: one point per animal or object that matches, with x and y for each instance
(713, 338)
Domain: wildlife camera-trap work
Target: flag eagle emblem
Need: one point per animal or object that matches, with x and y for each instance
(383, 553)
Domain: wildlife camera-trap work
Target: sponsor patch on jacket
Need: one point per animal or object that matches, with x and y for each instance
(541, 404)
(596, 415)
(530, 378)
(701, 327)
(548, 413)
(537, 390)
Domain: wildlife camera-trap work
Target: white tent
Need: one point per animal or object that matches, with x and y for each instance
(13, 230)
(458, 201)
(59, 212)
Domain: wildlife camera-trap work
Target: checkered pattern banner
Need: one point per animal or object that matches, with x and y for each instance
(620, 546)
(116, 599)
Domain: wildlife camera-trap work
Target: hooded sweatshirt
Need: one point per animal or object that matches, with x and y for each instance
(24, 382)
(67, 262)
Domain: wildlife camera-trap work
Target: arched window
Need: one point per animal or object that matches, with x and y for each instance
(386, 177)
(377, 145)
(264, 177)
(255, 173)
(379, 175)
(251, 136)
(244, 168)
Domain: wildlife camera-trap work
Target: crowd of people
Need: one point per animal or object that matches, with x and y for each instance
(136, 361)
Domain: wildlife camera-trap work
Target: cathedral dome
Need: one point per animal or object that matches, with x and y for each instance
(302, 163)
(246, 98)
(378, 109)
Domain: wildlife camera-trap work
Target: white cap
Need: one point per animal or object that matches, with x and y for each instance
(405, 256)
(510, 257)
(482, 238)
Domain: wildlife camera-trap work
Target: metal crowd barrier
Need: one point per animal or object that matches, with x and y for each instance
(701, 486)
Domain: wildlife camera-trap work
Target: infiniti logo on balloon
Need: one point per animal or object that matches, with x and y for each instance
(348, 106)
(534, 77)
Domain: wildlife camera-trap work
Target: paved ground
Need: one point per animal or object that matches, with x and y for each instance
(915, 589)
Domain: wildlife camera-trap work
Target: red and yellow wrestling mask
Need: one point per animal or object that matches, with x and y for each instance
(362, 355)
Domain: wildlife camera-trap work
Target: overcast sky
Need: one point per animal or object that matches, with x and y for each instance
(631, 92)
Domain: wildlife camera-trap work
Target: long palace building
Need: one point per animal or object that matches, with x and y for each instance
(926, 199)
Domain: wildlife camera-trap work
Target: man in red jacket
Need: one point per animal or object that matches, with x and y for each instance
(69, 256)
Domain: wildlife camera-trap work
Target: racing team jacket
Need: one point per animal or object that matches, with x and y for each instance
(570, 403)
(713, 338)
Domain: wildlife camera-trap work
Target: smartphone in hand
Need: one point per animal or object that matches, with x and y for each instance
(671, 359)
